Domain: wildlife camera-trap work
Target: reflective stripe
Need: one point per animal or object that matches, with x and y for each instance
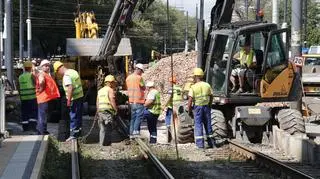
(201, 93)
(198, 137)
(156, 106)
(104, 101)
(153, 136)
(249, 57)
(33, 120)
(76, 84)
(75, 131)
(27, 89)
(25, 122)
(211, 136)
(135, 92)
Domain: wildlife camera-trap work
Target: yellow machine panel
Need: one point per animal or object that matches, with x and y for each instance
(277, 82)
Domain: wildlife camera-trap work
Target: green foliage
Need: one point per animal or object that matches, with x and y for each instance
(313, 18)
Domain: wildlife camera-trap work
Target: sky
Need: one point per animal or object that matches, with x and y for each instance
(190, 6)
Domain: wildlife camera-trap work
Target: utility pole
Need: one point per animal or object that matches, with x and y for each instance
(275, 12)
(195, 40)
(200, 35)
(305, 21)
(296, 38)
(21, 36)
(29, 32)
(285, 24)
(258, 11)
(186, 48)
(8, 41)
(246, 6)
(1, 35)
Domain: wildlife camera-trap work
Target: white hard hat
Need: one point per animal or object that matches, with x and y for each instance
(140, 66)
(44, 62)
(150, 84)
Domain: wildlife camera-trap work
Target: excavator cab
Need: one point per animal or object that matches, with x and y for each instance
(270, 77)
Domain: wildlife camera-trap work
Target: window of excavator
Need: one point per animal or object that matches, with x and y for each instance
(276, 53)
(218, 62)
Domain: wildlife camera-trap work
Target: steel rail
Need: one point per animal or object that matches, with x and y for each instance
(255, 155)
(75, 159)
(146, 150)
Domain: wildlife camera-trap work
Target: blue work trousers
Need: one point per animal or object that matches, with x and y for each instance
(29, 114)
(152, 125)
(75, 117)
(136, 118)
(168, 117)
(202, 116)
(42, 118)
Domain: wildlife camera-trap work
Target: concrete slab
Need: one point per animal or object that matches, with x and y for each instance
(22, 160)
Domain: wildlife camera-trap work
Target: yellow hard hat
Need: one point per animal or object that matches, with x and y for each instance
(109, 78)
(198, 72)
(57, 65)
(27, 64)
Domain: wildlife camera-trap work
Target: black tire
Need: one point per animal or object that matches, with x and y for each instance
(184, 129)
(291, 121)
(219, 125)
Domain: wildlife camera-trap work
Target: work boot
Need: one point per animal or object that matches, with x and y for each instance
(240, 90)
(25, 127)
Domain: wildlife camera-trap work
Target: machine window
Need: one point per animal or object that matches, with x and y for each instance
(276, 54)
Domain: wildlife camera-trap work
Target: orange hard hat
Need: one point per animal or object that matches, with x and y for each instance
(173, 79)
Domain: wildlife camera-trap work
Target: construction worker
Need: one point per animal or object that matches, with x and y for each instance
(47, 90)
(136, 87)
(107, 109)
(176, 98)
(200, 95)
(74, 93)
(247, 60)
(28, 98)
(152, 110)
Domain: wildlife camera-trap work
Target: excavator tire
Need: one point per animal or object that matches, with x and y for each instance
(291, 121)
(184, 128)
(219, 125)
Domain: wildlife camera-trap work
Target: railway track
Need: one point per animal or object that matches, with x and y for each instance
(75, 165)
(277, 167)
(149, 155)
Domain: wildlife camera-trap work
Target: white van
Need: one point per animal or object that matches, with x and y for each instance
(314, 50)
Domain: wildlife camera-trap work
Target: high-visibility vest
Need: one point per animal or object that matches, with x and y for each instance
(51, 90)
(201, 93)
(76, 84)
(176, 96)
(104, 101)
(135, 92)
(249, 57)
(156, 105)
(27, 89)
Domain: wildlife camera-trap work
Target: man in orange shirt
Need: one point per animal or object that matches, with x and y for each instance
(136, 87)
(46, 90)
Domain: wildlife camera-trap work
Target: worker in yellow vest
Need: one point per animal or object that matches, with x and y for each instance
(175, 99)
(74, 93)
(247, 60)
(29, 107)
(152, 110)
(107, 109)
(201, 96)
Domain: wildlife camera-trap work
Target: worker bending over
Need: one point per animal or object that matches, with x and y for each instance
(200, 95)
(73, 88)
(152, 110)
(28, 99)
(107, 109)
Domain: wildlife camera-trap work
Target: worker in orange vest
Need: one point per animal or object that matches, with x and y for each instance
(46, 90)
(136, 88)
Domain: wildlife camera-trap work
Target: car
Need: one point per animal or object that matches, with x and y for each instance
(311, 74)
